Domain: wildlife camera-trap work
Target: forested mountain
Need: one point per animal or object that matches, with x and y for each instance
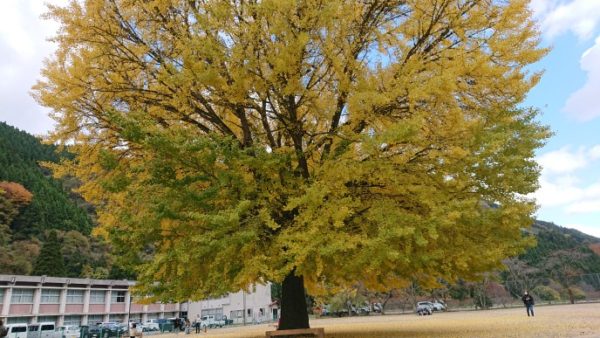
(50, 208)
(553, 239)
(52, 216)
(564, 264)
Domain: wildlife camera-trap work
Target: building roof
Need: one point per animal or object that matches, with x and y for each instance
(64, 280)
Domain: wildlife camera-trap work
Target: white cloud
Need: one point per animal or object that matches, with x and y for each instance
(584, 104)
(559, 185)
(584, 207)
(560, 192)
(580, 17)
(541, 7)
(595, 152)
(563, 160)
(23, 47)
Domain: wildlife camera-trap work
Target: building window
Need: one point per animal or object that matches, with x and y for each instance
(136, 317)
(261, 312)
(17, 320)
(116, 318)
(72, 320)
(74, 296)
(50, 296)
(48, 327)
(22, 296)
(117, 297)
(217, 312)
(47, 319)
(97, 297)
(236, 314)
(1, 296)
(152, 315)
(249, 312)
(95, 319)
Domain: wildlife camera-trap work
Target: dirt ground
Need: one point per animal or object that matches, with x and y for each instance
(579, 320)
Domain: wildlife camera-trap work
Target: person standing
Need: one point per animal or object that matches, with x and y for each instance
(3, 330)
(528, 301)
(197, 325)
(188, 326)
(133, 330)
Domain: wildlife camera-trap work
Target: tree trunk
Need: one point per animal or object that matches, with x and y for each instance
(571, 296)
(294, 314)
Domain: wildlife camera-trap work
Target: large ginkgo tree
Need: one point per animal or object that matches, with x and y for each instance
(315, 143)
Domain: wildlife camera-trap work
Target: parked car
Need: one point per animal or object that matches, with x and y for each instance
(151, 325)
(177, 323)
(17, 330)
(90, 331)
(33, 331)
(438, 306)
(211, 321)
(113, 328)
(435, 305)
(363, 310)
(43, 330)
(424, 308)
(69, 331)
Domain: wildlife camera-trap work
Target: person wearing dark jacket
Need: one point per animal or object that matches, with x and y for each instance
(528, 301)
(3, 329)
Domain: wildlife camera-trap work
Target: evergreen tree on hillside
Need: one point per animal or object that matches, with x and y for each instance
(50, 261)
(51, 207)
(7, 212)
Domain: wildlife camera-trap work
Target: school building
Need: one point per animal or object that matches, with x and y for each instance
(252, 307)
(79, 301)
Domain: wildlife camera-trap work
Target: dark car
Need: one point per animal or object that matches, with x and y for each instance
(113, 329)
(90, 331)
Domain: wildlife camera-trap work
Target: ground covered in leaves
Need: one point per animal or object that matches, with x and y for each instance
(579, 320)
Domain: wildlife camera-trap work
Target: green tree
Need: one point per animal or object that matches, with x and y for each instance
(566, 267)
(7, 213)
(304, 142)
(50, 261)
(76, 252)
(546, 293)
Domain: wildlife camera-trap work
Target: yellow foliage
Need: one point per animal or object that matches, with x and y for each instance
(229, 142)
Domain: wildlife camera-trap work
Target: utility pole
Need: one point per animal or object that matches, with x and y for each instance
(244, 301)
(129, 311)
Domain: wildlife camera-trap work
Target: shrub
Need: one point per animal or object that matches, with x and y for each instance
(546, 293)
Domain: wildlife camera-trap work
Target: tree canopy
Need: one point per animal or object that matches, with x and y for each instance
(324, 142)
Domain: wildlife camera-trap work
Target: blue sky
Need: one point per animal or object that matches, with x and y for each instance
(568, 95)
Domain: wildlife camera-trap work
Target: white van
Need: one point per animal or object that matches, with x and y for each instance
(43, 330)
(17, 330)
(69, 331)
(33, 331)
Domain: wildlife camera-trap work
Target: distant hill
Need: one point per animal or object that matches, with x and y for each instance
(576, 235)
(51, 207)
(564, 265)
(552, 238)
(54, 206)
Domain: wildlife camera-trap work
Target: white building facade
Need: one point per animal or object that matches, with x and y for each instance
(75, 301)
(255, 306)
